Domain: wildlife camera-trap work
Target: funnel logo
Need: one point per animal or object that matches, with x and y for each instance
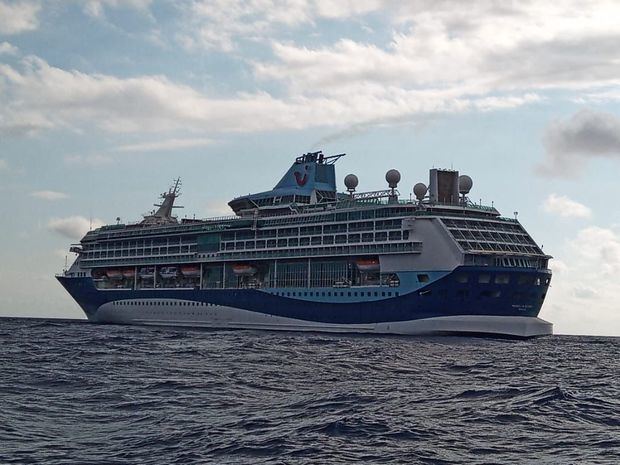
(301, 180)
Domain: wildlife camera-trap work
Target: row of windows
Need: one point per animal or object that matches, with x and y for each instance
(162, 303)
(484, 225)
(486, 278)
(316, 240)
(366, 249)
(486, 294)
(354, 215)
(337, 294)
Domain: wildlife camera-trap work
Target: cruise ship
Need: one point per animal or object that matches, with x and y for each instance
(305, 257)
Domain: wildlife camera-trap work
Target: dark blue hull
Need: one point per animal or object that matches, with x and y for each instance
(521, 296)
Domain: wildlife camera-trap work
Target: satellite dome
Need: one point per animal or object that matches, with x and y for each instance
(392, 177)
(465, 184)
(351, 182)
(419, 190)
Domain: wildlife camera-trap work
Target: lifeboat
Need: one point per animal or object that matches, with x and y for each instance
(168, 272)
(368, 264)
(129, 272)
(114, 274)
(190, 270)
(147, 272)
(244, 270)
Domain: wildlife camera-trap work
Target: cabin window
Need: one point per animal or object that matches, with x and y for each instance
(502, 279)
(494, 294)
(484, 278)
(423, 278)
(461, 278)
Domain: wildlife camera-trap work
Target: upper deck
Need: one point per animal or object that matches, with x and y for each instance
(323, 224)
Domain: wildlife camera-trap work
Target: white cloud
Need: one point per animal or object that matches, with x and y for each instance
(73, 227)
(3, 165)
(588, 270)
(41, 96)
(441, 58)
(96, 8)
(563, 206)
(587, 134)
(222, 24)
(17, 17)
(8, 49)
(49, 195)
(168, 144)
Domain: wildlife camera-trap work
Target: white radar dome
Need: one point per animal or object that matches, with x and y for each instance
(392, 177)
(465, 184)
(351, 182)
(419, 190)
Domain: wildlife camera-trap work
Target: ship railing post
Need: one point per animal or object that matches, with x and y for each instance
(308, 283)
(275, 273)
(224, 275)
(135, 278)
(200, 282)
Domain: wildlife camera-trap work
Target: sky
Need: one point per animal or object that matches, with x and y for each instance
(104, 102)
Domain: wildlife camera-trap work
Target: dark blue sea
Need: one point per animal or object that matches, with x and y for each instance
(79, 393)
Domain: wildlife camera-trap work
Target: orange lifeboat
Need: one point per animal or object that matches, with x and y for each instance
(241, 269)
(368, 264)
(190, 270)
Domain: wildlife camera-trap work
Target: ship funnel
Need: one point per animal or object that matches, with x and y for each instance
(444, 186)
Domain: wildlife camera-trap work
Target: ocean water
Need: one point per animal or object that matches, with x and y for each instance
(79, 393)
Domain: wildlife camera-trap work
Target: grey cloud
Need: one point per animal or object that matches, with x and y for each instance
(571, 142)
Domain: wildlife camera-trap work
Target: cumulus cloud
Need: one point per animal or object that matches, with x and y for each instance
(563, 206)
(222, 24)
(587, 270)
(49, 195)
(599, 246)
(73, 227)
(17, 17)
(3, 165)
(8, 49)
(439, 59)
(571, 142)
(41, 96)
(164, 145)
